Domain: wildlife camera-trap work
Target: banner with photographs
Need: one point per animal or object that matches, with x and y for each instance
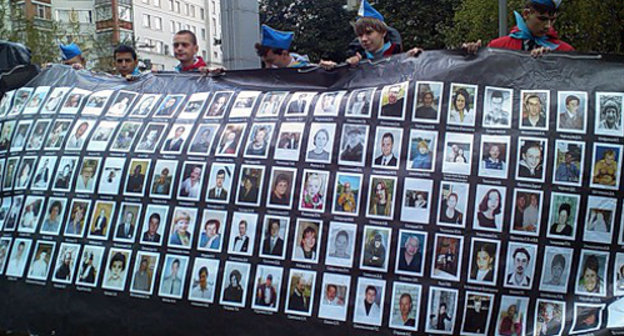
(436, 195)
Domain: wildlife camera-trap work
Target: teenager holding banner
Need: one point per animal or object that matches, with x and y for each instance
(274, 50)
(533, 32)
(373, 35)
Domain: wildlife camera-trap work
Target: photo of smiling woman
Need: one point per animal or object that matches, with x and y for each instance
(182, 228)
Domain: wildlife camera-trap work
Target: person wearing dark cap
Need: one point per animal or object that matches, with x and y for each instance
(375, 252)
(374, 38)
(533, 32)
(274, 48)
(266, 294)
(72, 55)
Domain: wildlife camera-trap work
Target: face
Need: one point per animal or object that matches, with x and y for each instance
(411, 246)
(483, 260)
(428, 99)
(405, 305)
(442, 310)
(534, 107)
(117, 268)
(353, 139)
(460, 102)
(497, 104)
(370, 296)
(274, 229)
(124, 63)
(611, 115)
(533, 200)
(493, 200)
(393, 95)
(556, 271)
(281, 187)
(202, 278)
(494, 152)
(309, 240)
(153, 225)
(538, 24)
(273, 60)
(184, 48)
(195, 173)
(372, 40)
(182, 225)
(331, 293)
(521, 262)
(54, 213)
(563, 217)
(341, 243)
(590, 280)
(451, 202)
(609, 158)
(174, 268)
(423, 150)
(82, 129)
(211, 230)
(143, 265)
(573, 106)
(179, 131)
(386, 146)
(320, 140)
(220, 179)
(242, 228)
(314, 186)
(87, 172)
(533, 157)
(129, 217)
(381, 192)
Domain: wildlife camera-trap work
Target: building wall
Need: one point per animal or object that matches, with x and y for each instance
(156, 22)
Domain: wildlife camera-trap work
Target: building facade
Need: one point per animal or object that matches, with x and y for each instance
(157, 21)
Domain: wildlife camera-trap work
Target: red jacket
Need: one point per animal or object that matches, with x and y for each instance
(199, 62)
(508, 42)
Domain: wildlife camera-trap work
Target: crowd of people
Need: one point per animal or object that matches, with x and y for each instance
(375, 39)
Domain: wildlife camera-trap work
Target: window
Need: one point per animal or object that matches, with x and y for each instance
(170, 5)
(214, 26)
(177, 6)
(103, 13)
(186, 9)
(145, 1)
(179, 27)
(157, 23)
(146, 20)
(172, 26)
(82, 16)
(204, 54)
(43, 12)
(203, 34)
(125, 13)
(194, 30)
(192, 11)
(159, 47)
(202, 13)
(166, 50)
(156, 3)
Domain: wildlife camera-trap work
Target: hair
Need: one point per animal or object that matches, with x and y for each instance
(608, 152)
(342, 233)
(243, 222)
(566, 207)
(188, 32)
(388, 135)
(465, 94)
(542, 9)
(442, 305)
(529, 145)
(487, 248)
(307, 231)
(322, 130)
(365, 24)
(558, 259)
(423, 143)
(262, 51)
(118, 257)
(332, 285)
(483, 206)
(522, 250)
(280, 178)
(180, 128)
(165, 171)
(125, 49)
(452, 195)
(204, 269)
(213, 221)
(220, 172)
(154, 216)
(176, 261)
(571, 98)
(591, 263)
(497, 94)
(531, 96)
(405, 295)
(182, 215)
(235, 273)
(56, 204)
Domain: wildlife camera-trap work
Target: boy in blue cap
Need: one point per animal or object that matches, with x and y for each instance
(274, 50)
(72, 55)
(372, 33)
(533, 32)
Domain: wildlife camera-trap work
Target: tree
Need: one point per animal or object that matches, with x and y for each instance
(590, 25)
(322, 29)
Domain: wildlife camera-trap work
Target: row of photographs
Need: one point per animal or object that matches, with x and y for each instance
(420, 148)
(487, 207)
(375, 245)
(265, 290)
(572, 110)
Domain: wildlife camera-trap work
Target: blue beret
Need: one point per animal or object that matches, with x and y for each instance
(366, 10)
(70, 51)
(276, 39)
(548, 3)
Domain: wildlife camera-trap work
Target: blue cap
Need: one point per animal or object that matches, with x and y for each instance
(70, 51)
(276, 39)
(548, 3)
(366, 10)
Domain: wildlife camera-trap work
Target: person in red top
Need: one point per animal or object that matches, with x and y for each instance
(185, 48)
(533, 32)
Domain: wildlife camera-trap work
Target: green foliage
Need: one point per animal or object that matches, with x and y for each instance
(321, 27)
(589, 26)
(420, 22)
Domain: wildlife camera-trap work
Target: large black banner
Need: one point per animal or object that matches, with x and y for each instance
(444, 194)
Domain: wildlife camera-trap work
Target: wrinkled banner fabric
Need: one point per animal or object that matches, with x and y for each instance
(438, 195)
